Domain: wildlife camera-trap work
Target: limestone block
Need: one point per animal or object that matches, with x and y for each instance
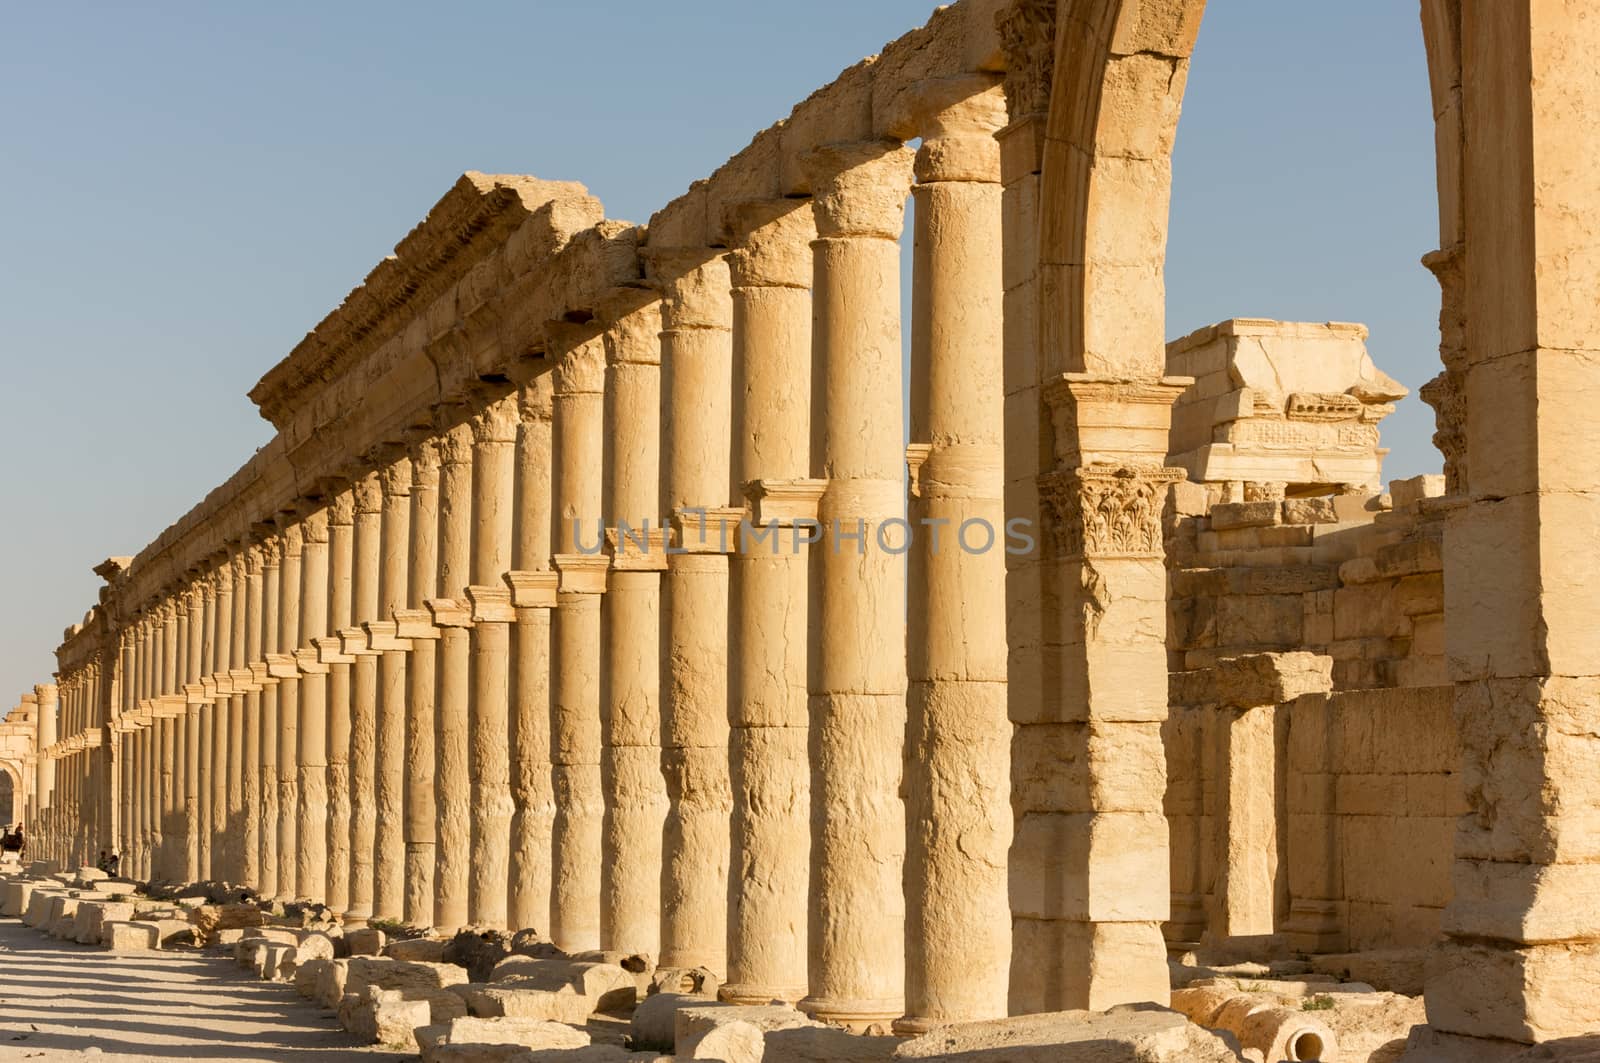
(1051, 862)
(606, 985)
(825, 1044)
(14, 898)
(511, 1000)
(1073, 767)
(313, 947)
(87, 875)
(93, 917)
(654, 1021)
(1096, 965)
(129, 937)
(331, 982)
(366, 941)
(1122, 1035)
(1538, 993)
(385, 973)
(1259, 621)
(117, 889)
(278, 962)
(1229, 515)
(171, 932)
(422, 950)
(734, 1034)
(472, 1040)
(307, 975)
(1428, 1045)
(385, 1017)
(592, 1054)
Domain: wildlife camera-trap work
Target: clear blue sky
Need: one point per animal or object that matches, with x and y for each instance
(186, 188)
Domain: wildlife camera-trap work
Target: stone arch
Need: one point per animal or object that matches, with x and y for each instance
(1512, 92)
(11, 792)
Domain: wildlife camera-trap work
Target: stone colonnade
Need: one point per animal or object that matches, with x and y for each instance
(659, 638)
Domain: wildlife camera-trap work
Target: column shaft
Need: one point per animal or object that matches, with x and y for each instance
(858, 681)
(453, 783)
(364, 699)
(271, 592)
(341, 576)
(311, 833)
(419, 807)
(389, 747)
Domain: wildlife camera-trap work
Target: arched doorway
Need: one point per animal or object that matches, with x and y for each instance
(1513, 99)
(9, 796)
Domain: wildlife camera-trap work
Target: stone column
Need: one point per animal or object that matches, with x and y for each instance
(858, 682)
(341, 565)
(250, 755)
(1522, 955)
(207, 719)
(630, 714)
(494, 430)
(292, 543)
(269, 773)
(178, 834)
(45, 707)
(389, 747)
(770, 773)
(239, 684)
(222, 845)
(452, 778)
(422, 584)
(957, 756)
(311, 831)
(697, 389)
(166, 847)
(363, 696)
(533, 590)
(193, 693)
(579, 438)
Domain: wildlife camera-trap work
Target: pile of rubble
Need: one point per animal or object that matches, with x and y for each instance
(484, 996)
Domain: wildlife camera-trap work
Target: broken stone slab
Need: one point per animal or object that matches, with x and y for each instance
(385, 973)
(592, 1054)
(93, 916)
(730, 1032)
(90, 874)
(829, 1044)
(1121, 1035)
(654, 1021)
(687, 981)
(420, 950)
(507, 1000)
(37, 913)
(606, 984)
(117, 888)
(365, 941)
(129, 936)
(331, 983)
(383, 1017)
(307, 975)
(475, 1040)
(14, 898)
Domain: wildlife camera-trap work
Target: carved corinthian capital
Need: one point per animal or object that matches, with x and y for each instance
(1104, 511)
(1028, 38)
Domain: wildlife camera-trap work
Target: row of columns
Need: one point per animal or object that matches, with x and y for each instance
(477, 681)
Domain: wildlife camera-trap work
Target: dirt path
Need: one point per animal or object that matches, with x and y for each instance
(60, 1001)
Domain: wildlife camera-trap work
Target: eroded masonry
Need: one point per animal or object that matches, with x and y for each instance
(592, 583)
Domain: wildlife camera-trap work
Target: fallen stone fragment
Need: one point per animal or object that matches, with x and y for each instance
(383, 1016)
(475, 1040)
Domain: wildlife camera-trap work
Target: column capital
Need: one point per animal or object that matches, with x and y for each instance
(342, 507)
(634, 338)
(582, 368)
(771, 241)
(958, 118)
(533, 590)
(533, 399)
(495, 421)
(1107, 511)
(396, 476)
(313, 527)
(425, 462)
(455, 445)
(859, 189)
(271, 551)
(291, 539)
(368, 492)
(1028, 41)
(581, 573)
(694, 286)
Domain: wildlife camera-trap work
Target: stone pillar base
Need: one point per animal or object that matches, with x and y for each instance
(1314, 927)
(1532, 993)
(1427, 1045)
(750, 993)
(854, 1015)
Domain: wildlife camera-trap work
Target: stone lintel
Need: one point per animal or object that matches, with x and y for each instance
(581, 573)
(330, 650)
(707, 529)
(383, 636)
(533, 590)
(306, 661)
(282, 666)
(491, 605)
(629, 555)
(414, 624)
(448, 612)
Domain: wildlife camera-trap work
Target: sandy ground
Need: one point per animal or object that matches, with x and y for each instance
(60, 1001)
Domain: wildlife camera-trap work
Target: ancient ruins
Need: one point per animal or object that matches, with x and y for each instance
(592, 585)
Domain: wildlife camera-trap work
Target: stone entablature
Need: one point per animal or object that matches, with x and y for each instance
(1284, 402)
